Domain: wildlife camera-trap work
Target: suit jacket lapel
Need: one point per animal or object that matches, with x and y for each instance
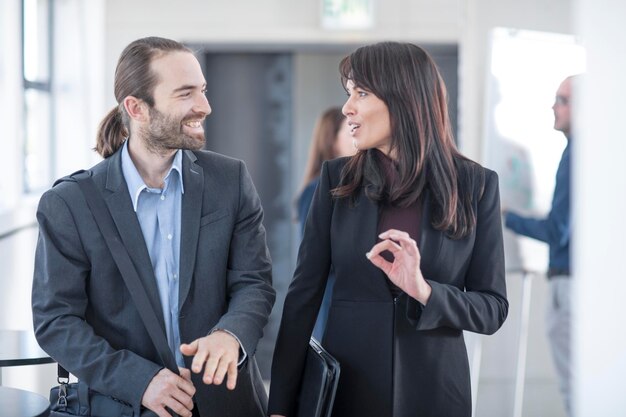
(365, 215)
(193, 180)
(367, 221)
(121, 208)
(430, 240)
(425, 224)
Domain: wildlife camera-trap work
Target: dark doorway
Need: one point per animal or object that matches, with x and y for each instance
(250, 95)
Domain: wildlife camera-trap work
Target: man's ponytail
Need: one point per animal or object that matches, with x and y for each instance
(111, 133)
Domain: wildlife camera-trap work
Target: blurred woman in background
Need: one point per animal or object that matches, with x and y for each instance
(331, 139)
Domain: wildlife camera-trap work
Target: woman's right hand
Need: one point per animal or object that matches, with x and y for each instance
(404, 270)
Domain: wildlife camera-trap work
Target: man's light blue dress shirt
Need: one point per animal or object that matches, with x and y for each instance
(159, 214)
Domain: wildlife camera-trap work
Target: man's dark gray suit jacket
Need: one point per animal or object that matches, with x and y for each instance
(83, 314)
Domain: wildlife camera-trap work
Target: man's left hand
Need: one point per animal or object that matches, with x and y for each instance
(218, 353)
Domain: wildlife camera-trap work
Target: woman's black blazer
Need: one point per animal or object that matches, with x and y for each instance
(398, 358)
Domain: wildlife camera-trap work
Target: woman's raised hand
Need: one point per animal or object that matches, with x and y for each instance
(405, 270)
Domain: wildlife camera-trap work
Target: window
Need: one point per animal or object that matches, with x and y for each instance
(51, 73)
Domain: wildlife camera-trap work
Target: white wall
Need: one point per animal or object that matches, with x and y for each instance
(478, 17)
(277, 20)
(269, 22)
(599, 207)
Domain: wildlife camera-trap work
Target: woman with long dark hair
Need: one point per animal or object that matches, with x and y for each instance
(413, 231)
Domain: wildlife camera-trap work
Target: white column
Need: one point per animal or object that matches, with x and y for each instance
(599, 204)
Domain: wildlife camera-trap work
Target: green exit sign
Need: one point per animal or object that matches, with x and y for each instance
(347, 14)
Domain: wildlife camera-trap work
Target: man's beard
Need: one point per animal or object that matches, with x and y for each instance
(165, 133)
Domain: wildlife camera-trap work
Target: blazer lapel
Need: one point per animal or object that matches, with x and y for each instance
(430, 240)
(365, 216)
(121, 208)
(193, 180)
(367, 221)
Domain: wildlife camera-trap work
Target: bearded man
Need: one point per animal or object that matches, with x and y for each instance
(191, 221)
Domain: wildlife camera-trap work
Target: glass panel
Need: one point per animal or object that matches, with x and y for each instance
(37, 140)
(36, 40)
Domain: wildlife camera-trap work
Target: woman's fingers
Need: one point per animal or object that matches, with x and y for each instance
(403, 238)
(387, 234)
(382, 246)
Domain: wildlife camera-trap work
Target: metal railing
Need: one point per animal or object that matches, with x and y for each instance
(16, 230)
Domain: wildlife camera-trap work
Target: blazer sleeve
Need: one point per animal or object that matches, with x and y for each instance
(60, 302)
(249, 276)
(303, 301)
(482, 307)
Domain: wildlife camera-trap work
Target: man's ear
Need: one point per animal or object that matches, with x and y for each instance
(136, 108)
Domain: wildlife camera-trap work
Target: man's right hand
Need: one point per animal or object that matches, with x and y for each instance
(170, 390)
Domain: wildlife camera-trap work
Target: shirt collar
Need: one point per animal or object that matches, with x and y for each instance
(134, 181)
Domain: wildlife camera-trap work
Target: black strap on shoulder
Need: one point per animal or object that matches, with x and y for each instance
(109, 231)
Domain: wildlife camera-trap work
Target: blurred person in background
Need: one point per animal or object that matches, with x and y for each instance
(555, 230)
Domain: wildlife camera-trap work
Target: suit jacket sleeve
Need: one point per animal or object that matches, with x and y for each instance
(553, 230)
(249, 280)
(483, 306)
(60, 303)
